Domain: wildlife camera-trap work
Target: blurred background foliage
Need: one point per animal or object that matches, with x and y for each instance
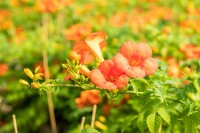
(170, 27)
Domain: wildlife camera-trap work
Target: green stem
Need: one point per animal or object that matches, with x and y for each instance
(61, 85)
(133, 92)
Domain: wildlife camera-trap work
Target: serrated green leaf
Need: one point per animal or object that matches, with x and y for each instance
(190, 126)
(127, 122)
(164, 114)
(89, 130)
(158, 122)
(141, 123)
(151, 122)
(151, 104)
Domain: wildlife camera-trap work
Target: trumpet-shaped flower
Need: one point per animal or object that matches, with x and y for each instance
(135, 60)
(94, 41)
(108, 77)
(86, 54)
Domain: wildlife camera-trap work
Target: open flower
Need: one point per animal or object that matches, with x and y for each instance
(82, 50)
(108, 77)
(94, 41)
(135, 60)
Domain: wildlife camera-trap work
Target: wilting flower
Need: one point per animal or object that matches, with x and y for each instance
(135, 60)
(77, 31)
(108, 77)
(88, 98)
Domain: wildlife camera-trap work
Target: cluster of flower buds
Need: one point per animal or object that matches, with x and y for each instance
(34, 77)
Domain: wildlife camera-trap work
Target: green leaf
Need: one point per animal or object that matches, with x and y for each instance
(154, 122)
(190, 126)
(142, 80)
(127, 122)
(135, 86)
(158, 122)
(161, 92)
(151, 122)
(89, 130)
(196, 118)
(164, 114)
(151, 104)
(141, 123)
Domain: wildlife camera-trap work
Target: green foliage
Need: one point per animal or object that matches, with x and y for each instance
(89, 130)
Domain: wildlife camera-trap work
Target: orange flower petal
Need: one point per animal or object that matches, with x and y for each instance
(121, 63)
(109, 86)
(150, 66)
(105, 67)
(93, 42)
(135, 72)
(80, 46)
(122, 81)
(97, 78)
(132, 50)
(74, 56)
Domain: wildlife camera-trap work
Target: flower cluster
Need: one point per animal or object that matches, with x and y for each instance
(132, 61)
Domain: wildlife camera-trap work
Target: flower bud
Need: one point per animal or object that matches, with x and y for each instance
(28, 73)
(35, 85)
(102, 118)
(37, 76)
(24, 82)
(101, 126)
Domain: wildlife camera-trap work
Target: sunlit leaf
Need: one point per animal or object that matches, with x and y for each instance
(164, 114)
(151, 122)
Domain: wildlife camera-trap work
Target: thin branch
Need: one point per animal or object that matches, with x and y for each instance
(93, 115)
(46, 69)
(15, 123)
(82, 123)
